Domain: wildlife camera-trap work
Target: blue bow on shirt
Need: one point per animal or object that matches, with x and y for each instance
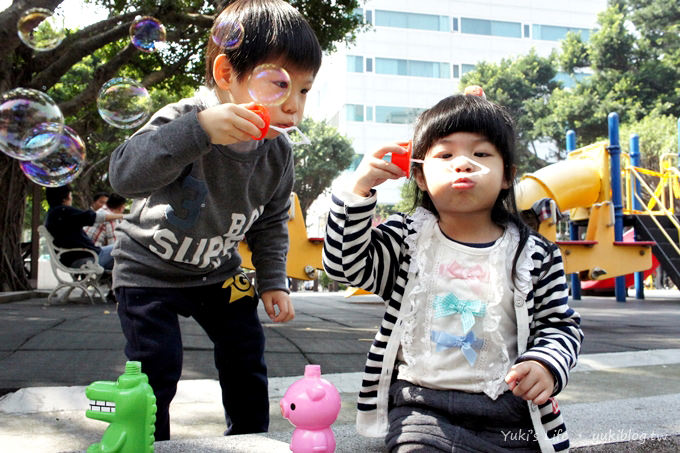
(469, 345)
(468, 309)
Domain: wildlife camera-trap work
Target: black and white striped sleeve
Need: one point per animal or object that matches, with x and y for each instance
(555, 331)
(357, 254)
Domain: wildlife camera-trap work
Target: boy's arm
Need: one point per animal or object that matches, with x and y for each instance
(356, 254)
(156, 154)
(268, 236)
(556, 335)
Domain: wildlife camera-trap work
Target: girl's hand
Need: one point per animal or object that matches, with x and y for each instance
(531, 381)
(373, 170)
(282, 300)
(226, 124)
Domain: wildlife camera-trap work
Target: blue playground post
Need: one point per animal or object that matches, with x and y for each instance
(573, 228)
(615, 175)
(635, 160)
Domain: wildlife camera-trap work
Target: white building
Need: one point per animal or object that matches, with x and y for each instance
(415, 53)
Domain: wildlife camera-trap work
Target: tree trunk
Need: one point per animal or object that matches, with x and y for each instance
(13, 190)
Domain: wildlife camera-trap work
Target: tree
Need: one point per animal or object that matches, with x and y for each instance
(316, 165)
(104, 46)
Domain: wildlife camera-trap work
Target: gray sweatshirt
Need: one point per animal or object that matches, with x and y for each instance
(194, 201)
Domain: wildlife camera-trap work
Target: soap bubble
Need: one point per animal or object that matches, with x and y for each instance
(21, 111)
(147, 34)
(269, 84)
(228, 34)
(123, 103)
(41, 29)
(62, 165)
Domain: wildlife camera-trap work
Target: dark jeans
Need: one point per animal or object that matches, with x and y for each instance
(149, 320)
(427, 420)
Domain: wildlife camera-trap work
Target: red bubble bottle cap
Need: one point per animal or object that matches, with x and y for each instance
(263, 113)
(474, 90)
(403, 161)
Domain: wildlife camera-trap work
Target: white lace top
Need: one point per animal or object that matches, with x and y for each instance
(461, 331)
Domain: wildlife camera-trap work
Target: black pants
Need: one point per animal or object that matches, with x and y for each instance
(149, 320)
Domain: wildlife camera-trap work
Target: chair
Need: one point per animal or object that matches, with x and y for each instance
(87, 277)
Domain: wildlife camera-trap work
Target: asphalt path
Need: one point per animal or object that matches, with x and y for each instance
(78, 343)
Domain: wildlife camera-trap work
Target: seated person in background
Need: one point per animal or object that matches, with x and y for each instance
(104, 233)
(99, 199)
(66, 224)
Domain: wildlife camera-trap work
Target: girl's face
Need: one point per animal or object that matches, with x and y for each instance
(449, 181)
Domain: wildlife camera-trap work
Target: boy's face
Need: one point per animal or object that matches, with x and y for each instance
(287, 114)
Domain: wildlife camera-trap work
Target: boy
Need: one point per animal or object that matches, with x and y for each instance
(201, 184)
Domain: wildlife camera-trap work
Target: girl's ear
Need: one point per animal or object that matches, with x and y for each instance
(223, 71)
(507, 182)
(420, 179)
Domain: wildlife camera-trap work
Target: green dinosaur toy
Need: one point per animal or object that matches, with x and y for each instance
(132, 416)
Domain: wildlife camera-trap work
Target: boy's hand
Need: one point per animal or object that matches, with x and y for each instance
(373, 170)
(531, 381)
(282, 299)
(230, 123)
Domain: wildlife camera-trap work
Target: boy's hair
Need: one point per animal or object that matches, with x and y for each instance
(98, 195)
(55, 196)
(465, 113)
(115, 201)
(273, 29)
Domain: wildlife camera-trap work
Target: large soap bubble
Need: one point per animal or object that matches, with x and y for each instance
(62, 165)
(41, 29)
(22, 110)
(147, 34)
(123, 103)
(269, 84)
(228, 34)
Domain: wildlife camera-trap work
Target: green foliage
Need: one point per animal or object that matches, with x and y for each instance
(658, 135)
(316, 165)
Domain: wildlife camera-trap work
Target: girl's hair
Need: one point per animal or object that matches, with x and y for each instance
(273, 29)
(466, 113)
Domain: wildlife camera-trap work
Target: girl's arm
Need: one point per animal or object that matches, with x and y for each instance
(358, 255)
(555, 337)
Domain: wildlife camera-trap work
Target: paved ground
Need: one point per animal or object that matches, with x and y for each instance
(629, 368)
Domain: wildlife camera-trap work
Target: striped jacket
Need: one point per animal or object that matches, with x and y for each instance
(381, 260)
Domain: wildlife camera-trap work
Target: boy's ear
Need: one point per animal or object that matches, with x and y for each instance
(223, 71)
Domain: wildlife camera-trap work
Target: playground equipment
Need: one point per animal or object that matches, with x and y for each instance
(304, 256)
(129, 405)
(591, 184)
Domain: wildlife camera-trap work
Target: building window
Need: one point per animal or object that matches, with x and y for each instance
(369, 113)
(356, 160)
(527, 31)
(491, 27)
(369, 17)
(569, 80)
(355, 112)
(355, 63)
(455, 24)
(555, 33)
(413, 68)
(465, 68)
(369, 64)
(396, 115)
(411, 20)
(456, 71)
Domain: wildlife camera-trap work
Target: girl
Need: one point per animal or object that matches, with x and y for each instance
(477, 336)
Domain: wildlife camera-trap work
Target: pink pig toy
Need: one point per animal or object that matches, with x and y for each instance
(311, 404)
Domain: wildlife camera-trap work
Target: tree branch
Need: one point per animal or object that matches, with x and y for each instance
(101, 75)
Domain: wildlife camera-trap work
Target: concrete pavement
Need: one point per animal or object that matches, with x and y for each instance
(623, 394)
